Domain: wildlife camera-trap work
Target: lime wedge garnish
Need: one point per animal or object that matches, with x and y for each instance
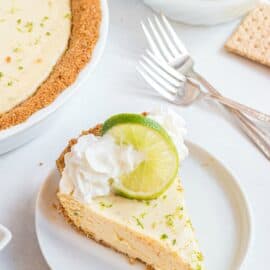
(159, 168)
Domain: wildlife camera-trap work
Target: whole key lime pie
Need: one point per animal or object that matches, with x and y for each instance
(44, 45)
(120, 186)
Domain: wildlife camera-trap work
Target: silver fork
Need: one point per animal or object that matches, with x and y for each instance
(160, 73)
(167, 47)
(167, 82)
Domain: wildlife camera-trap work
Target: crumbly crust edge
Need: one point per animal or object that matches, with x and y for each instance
(86, 20)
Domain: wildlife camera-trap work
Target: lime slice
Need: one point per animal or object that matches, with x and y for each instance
(159, 168)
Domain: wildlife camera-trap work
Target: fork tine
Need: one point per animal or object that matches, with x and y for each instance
(151, 42)
(166, 37)
(155, 85)
(161, 72)
(163, 82)
(165, 66)
(163, 48)
(176, 40)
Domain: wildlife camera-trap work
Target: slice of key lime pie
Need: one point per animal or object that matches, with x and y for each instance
(120, 186)
(44, 45)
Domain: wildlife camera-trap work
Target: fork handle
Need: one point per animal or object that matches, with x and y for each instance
(240, 107)
(229, 102)
(257, 135)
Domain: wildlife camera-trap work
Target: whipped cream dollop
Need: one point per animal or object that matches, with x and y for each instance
(175, 126)
(94, 161)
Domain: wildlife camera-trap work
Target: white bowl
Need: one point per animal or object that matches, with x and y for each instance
(202, 12)
(18, 135)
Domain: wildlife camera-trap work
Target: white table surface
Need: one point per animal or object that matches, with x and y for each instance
(116, 87)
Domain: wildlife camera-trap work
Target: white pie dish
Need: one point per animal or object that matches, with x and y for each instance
(18, 135)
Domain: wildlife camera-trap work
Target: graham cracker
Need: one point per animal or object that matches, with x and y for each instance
(252, 37)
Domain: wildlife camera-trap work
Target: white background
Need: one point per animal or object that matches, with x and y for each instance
(116, 87)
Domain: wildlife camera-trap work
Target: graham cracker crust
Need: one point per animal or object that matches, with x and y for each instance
(85, 25)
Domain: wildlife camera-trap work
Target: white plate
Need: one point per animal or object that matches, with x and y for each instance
(217, 205)
(39, 122)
